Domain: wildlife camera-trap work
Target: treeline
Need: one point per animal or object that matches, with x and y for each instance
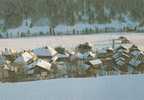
(70, 11)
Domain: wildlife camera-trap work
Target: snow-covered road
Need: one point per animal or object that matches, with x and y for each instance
(101, 88)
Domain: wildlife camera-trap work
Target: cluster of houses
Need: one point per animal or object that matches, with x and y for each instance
(48, 63)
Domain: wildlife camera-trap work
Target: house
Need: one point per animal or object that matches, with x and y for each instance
(7, 73)
(105, 52)
(134, 50)
(10, 54)
(121, 59)
(86, 55)
(25, 58)
(45, 52)
(136, 63)
(59, 69)
(39, 69)
(22, 60)
(108, 66)
(82, 48)
(95, 67)
(5, 70)
(60, 57)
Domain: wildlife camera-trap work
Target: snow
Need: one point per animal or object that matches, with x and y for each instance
(95, 62)
(24, 58)
(40, 63)
(101, 88)
(45, 52)
(98, 40)
(42, 25)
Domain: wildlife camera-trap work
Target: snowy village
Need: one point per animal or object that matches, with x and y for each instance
(71, 49)
(45, 63)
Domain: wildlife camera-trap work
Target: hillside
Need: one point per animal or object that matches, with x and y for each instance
(53, 17)
(101, 88)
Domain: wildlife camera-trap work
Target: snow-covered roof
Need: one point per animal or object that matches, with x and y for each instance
(135, 53)
(85, 55)
(66, 55)
(121, 54)
(95, 62)
(8, 52)
(40, 63)
(120, 58)
(45, 52)
(6, 67)
(120, 62)
(24, 58)
(120, 49)
(136, 60)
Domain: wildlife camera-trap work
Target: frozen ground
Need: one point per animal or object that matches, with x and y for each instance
(69, 41)
(101, 88)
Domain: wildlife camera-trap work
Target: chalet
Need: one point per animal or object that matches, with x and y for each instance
(59, 69)
(60, 57)
(134, 51)
(121, 59)
(105, 52)
(123, 39)
(7, 73)
(137, 63)
(82, 48)
(22, 60)
(86, 55)
(95, 67)
(40, 69)
(46, 52)
(25, 58)
(108, 65)
(10, 54)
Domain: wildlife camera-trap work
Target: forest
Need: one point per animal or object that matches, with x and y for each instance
(69, 12)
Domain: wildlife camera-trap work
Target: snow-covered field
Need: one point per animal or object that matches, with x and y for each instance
(101, 88)
(69, 41)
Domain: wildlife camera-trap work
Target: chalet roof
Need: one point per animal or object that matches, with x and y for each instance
(24, 58)
(134, 48)
(45, 52)
(6, 67)
(95, 62)
(85, 55)
(120, 63)
(121, 48)
(62, 55)
(135, 53)
(7, 52)
(137, 60)
(120, 58)
(40, 63)
(57, 56)
(120, 54)
(54, 59)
